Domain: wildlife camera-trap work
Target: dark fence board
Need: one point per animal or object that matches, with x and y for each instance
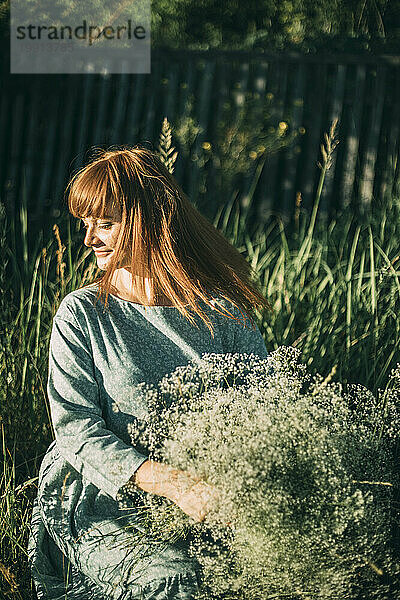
(354, 107)
(372, 137)
(49, 123)
(335, 110)
(277, 87)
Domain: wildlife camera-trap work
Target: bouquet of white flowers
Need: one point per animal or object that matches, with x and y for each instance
(306, 475)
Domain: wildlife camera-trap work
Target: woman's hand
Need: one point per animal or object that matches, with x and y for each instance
(193, 495)
(197, 500)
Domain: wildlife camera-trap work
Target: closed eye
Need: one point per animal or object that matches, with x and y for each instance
(104, 226)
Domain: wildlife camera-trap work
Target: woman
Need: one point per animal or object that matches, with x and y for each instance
(171, 288)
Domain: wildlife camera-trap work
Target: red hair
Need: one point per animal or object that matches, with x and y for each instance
(171, 243)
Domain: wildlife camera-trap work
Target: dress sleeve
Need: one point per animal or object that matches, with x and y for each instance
(80, 430)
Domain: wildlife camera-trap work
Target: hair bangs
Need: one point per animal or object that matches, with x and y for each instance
(90, 194)
(173, 252)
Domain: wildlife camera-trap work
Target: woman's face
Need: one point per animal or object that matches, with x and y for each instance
(101, 235)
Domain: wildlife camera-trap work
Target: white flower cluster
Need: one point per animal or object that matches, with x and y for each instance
(306, 475)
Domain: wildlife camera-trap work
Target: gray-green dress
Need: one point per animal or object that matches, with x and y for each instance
(79, 547)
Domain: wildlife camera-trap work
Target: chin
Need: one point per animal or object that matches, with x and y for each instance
(100, 262)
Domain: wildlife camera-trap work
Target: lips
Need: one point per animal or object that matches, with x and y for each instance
(102, 252)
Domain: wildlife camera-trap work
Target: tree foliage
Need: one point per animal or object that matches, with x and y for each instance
(274, 25)
(289, 24)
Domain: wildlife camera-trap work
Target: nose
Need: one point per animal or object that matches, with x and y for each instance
(88, 241)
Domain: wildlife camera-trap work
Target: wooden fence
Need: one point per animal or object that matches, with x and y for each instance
(48, 123)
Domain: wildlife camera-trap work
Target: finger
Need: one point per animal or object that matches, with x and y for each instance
(199, 517)
(191, 476)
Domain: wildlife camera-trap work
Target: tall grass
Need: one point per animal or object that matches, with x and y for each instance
(32, 282)
(334, 288)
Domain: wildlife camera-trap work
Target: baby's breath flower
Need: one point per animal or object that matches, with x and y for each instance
(305, 472)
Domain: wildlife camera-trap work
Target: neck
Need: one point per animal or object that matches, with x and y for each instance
(123, 287)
